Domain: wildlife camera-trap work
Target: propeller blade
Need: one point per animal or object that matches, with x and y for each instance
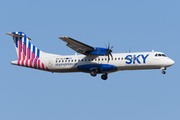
(108, 58)
(111, 56)
(105, 45)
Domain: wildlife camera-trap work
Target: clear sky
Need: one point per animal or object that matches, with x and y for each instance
(29, 94)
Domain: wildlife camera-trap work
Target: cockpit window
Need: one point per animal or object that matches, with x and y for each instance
(160, 55)
(163, 55)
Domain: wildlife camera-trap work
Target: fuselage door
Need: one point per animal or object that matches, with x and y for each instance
(50, 64)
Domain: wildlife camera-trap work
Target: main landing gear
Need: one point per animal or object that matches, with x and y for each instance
(94, 73)
(104, 76)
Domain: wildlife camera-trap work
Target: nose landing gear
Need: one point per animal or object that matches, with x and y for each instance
(163, 70)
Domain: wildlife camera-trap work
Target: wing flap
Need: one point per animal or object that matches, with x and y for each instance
(77, 46)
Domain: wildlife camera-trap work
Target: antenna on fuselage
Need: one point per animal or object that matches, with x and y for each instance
(129, 49)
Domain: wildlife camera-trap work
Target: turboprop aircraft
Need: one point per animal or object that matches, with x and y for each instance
(94, 60)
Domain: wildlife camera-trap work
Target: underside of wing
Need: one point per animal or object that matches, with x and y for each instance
(77, 46)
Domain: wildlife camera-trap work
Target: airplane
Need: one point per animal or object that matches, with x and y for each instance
(94, 60)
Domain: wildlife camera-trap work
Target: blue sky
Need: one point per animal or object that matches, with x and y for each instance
(142, 25)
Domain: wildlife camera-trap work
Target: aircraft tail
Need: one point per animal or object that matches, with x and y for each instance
(28, 54)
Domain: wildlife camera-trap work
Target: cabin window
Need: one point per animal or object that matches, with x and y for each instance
(82, 60)
(65, 60)
(75, 60)
(98, 59)
(115, 58)
(68, 60)
(79, 60)
(71, 60)
(88, 59)
(62, 60)
(102, 59)
(91, 59)
(105, 59)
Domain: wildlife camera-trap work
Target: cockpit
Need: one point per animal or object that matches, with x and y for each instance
(160, 55)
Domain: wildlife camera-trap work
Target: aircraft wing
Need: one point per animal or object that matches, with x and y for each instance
(77, 46)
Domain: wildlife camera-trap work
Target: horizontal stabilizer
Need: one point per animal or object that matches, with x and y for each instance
(16, 35)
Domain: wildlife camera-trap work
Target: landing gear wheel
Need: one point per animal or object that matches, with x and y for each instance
(104, 76)
(163, 72)
(93, 73)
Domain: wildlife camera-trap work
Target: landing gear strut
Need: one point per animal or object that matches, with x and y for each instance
(163, 70)
(104, 76)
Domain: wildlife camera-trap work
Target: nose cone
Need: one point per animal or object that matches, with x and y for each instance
(170, 62)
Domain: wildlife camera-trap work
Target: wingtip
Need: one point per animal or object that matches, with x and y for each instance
(64, 37)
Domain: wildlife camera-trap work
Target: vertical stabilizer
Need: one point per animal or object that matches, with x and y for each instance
(28, 54)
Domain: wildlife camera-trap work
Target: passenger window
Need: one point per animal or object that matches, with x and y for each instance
(118, 58)
(99, 59)
(71, 60)
(88, 59)
(159, 54)
(115, 58)
(75, 60)
(68, 60)
(59, 61)
(156, 55)
(82, 60)
(65, 60)
(121, 58)
(62, 60)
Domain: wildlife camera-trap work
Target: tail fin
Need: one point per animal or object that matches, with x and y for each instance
(28, 54)
(23, 46)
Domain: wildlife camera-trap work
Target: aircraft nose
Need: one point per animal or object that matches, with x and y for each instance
(171, 62)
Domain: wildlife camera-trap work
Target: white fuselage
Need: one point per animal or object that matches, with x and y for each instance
(123, 61)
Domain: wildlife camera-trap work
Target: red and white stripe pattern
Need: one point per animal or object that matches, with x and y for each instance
(28, 54)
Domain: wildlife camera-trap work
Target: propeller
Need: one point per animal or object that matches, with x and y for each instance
(108, 53)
